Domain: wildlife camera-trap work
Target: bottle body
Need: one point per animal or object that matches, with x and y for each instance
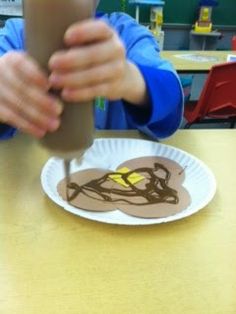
(45, 24)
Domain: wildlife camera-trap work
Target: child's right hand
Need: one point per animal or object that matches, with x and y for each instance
(24, 99)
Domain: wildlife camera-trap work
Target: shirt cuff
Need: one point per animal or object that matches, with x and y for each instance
(6, 132)
(166, 104)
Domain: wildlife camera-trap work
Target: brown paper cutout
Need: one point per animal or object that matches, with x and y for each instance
(160, 194)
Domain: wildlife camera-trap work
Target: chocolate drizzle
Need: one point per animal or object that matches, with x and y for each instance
(154, 190)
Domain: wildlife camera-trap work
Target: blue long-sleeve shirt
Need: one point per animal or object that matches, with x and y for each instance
(164, 88)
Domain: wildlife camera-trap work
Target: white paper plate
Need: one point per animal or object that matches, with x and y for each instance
(110, 153)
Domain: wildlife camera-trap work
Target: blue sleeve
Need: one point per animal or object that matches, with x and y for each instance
(163, 84)
(11, 38)
(165, 114)
(6, 131)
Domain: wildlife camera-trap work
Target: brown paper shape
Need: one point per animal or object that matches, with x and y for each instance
(160, 194)
(88, 200)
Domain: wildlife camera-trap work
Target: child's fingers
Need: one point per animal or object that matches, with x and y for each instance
(24, 67)
(10, 117)
(23, 109)
(91, 76)
(24, 102)
(86, 32)
(86, 94)
(15, 85)
(87, 56)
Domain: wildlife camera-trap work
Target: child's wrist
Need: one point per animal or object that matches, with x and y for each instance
(134, 86)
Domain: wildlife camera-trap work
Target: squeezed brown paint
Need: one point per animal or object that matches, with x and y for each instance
(156, 189)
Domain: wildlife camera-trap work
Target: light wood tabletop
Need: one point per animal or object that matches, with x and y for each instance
(195, 61)
(54, 262)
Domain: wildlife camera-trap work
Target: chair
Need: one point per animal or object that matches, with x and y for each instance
(217, 102)
(234, 43)
(186, 82)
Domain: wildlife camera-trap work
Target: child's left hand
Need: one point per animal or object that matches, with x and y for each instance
(95, 65)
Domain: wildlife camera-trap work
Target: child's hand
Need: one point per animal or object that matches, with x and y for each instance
(24, 102)
(95, 65)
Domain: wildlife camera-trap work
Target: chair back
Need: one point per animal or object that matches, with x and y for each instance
(218, 97)
(234, 43)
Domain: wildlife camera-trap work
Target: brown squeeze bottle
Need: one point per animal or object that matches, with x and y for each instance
(45, 23)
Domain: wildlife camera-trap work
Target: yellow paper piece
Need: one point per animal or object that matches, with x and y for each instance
(133, 178)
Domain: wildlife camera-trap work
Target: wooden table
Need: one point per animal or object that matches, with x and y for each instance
(183, 65)
(54, 262)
